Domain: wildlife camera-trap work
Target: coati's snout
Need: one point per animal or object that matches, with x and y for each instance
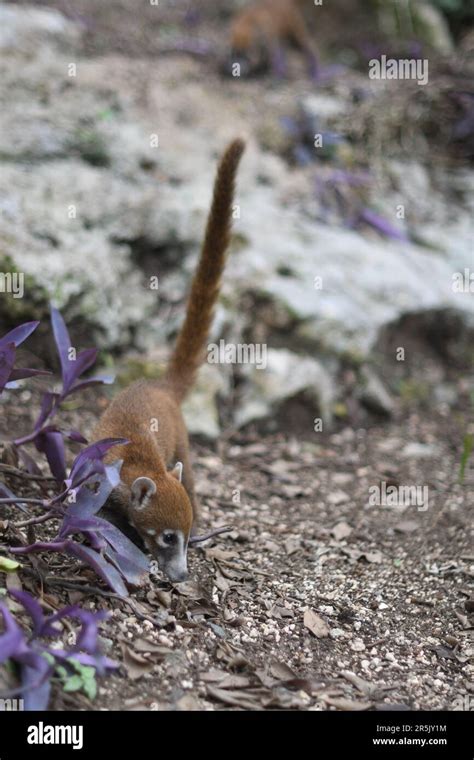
(171, 555)
(162, 514)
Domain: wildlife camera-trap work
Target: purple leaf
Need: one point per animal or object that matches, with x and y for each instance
(102, 380)
(33, 608)
(132, 572)
(130, 560)
(18, 334)
(51, 443)
(35, 683)
(71, 369)
(87, 638)
(104, 569)
(22, 372)
(89, 502)
(12, 639)
(63, 341)
(40, 546)
(48, 404)
(381, 224)
(84, 360)
(76, 436)
(92, 453)
(7, 494)
(7, 360)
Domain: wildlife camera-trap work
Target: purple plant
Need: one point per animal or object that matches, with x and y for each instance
(81, 534)
(87, 487)
(381, 224)
(47, 438)
(8, 345)
(111, 554)
(35, 656)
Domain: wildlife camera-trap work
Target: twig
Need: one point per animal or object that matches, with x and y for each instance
(21, 500)
(96, 591)
(36, 520)
(10, 470)
(199, 539)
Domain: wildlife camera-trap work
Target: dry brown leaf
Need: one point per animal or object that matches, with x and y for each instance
(245, 699)
(279, 613)
(281, 671)
(364, 687)
(292, 545)
(143, 645)
(214, 675)
(192, 590)
(348, 705)
(316, 624)
(135, 665)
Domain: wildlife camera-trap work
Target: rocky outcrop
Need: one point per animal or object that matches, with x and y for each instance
(106, 179)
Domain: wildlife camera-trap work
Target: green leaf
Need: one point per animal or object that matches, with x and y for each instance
(8, 565)
(73, 683)
(90, 688)
(85, 671)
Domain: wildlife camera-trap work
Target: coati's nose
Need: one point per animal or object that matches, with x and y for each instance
(177, 570)
(178, 577)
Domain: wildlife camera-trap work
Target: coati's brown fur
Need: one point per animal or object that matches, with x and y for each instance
(155, 500)
(260, 30)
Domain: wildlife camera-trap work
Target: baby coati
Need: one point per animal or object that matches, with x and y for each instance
(260, 31)
(156, 494)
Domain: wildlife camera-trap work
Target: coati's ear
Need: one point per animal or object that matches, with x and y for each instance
(177, 471)
(142, 491)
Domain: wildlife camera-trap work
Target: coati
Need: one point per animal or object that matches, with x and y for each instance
(160, 503)
(258, 34)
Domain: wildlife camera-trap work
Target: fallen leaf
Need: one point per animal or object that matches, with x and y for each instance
(315, 624)
(192, 590)
(142, 645)
(348, 705)
(280, 613)
(281, 671)
(245, 699)
(292, 545)
(364, 687)
(135, 665)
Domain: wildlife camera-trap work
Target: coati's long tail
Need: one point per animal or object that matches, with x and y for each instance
(189, 351)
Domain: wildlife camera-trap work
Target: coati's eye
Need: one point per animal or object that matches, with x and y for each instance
(169, 538)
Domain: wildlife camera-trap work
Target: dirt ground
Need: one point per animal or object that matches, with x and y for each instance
(315, 600)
